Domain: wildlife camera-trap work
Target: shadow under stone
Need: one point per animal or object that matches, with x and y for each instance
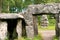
(24, 28)
(12, 34)
(11, 28)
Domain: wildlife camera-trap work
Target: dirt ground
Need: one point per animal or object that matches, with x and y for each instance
(47, 34)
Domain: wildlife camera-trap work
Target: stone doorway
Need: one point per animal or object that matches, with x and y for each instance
(11, 26)
(46, 27)
(46, 20)
(35, 22)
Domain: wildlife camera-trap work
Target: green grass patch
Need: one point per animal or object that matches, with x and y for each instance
(46, 28)
(38, 37)
(55, 38)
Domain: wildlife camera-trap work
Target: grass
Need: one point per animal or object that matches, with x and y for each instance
(55, 38)
(46, 28)
(38, 37)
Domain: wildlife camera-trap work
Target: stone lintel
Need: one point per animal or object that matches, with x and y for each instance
(44, 8)
(10, 16)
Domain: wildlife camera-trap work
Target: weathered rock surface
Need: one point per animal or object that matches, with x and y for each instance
(35, 25)
(3, 30)
(59, 18)
(19, 28)
(10, 16)
(45, 8)
(59, 29)
(49, 8)
(4, 24)
(29, 27)
(44, 21)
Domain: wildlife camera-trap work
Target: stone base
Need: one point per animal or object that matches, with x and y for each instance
(3, 30)
(30, 31)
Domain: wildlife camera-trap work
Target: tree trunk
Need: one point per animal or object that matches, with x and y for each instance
(0, 6)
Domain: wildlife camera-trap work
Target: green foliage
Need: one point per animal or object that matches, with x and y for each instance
(20, 4)
(38, 37)
(5, 6)
(55, 38)
(45, 1)
(47, 28)
(51, 20)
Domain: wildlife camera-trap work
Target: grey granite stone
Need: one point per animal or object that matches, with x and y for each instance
(19, 28)
(10, 16)
(3, 30)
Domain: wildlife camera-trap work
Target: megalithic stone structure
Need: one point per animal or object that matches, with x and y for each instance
(29, 16)
(10, 23)
(40, 9)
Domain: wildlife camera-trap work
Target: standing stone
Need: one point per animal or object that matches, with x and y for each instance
(19, 29)
(29, 27)
(59, 18)
(59, 31)
(35, 25)
(3, 30)
(59, 27)
(57, 22)
(29, 31)
(44, 21)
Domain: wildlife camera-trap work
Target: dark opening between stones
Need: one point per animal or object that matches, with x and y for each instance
(24, 28)
(12, 23)
(11, 28)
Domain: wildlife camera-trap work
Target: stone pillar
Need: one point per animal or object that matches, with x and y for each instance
(57, 28)
(35, 24)
(3, 30)
(19, 28)
(29, 31)
(59, 18)
(44, 21)
(29, 27)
